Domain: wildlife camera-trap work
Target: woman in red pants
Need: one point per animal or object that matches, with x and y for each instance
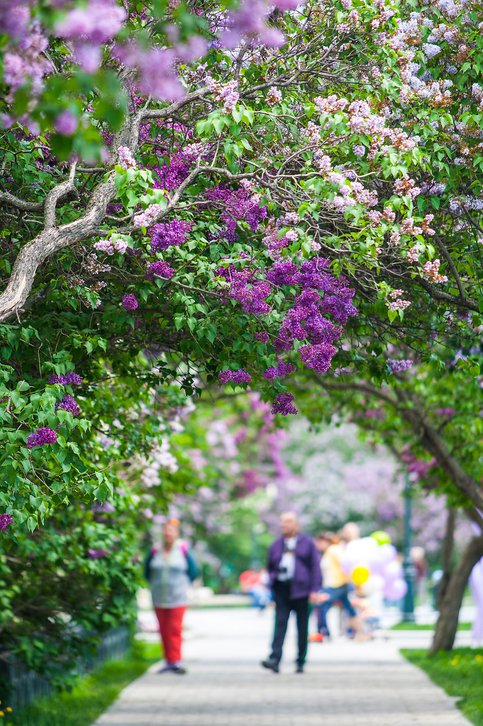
(169, 570)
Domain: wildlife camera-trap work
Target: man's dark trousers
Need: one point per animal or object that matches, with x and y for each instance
(284, 605)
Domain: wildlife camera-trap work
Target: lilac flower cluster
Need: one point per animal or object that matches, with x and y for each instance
(172, 174)
(224, 92)
(130, 302)
(66, 123)
(167, 234)
(398, 366)
(5, 521)
(66, 379)
(110, 246)
(68, 403)
(24, 62)
(318, 357)
(88, 28)
(446, 412)
(14, 20)
(237, 205)
(155, 69)
(160, 268)
(282, 369)
(283, 404)
(40, 437)
(103, 508)
(96, 553)
(126, 159)
(246, 289)
(147, 216)
(263, 337)
(236, 377)
(249, 20)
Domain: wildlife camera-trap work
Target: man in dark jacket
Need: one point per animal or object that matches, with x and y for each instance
(294, 570)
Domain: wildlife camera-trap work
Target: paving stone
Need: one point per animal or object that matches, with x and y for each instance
(345, 683)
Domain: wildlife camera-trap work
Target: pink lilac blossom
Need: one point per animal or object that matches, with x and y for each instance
(431, 271)
(14, 20)
(249, 20)
(66, 123)
(156, 71)
(90, 26)
(41, 436)
(26, 62)
(68, 403)
(129, 302)
(274, 96)
(126, 159)
(446, 412)
(98, 553)
(5, 521)
(147, 216)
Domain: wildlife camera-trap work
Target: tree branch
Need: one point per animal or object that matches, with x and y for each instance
(55, 194)
(12, 201)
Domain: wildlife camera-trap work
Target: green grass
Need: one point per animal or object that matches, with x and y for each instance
(459, 673)
(414, 626)
(92, 694)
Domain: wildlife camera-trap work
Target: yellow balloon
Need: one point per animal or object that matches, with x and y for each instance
(360, 575)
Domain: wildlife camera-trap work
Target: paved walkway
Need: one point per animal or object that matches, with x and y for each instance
(345, 683)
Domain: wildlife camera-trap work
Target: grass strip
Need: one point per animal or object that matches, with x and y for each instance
(427, 626)
(459, 672)
(91, 695)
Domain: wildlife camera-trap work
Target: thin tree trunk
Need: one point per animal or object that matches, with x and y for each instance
(447, 625)
(447, 555)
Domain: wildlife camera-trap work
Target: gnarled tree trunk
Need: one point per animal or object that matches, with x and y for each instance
(447, 548)
(447, 625)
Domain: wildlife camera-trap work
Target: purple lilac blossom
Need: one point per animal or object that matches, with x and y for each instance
(5, 521)
(96, 553)
(283, 405)
(160, 269)
(236, 377)
(41, 436)
(67, 379)
(263, 337)
(318, 357)
(167, 234)
(130, 302)
(398, 366)
(66, 123)
(68, 403)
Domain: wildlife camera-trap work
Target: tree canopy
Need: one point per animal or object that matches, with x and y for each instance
(208, 197)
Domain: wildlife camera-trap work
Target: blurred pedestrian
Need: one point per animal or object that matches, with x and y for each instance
(323, 541)
(169, 570)
(337, 586)
(294, 572)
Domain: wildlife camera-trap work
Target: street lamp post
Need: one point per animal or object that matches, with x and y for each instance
(408, 567)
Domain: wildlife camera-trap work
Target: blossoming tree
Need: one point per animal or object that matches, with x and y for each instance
(245, 195)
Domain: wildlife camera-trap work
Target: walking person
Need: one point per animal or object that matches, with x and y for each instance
(169, 570)
(294, 572)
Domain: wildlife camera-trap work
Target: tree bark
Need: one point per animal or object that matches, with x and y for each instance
(447, 555)
(447, 625)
